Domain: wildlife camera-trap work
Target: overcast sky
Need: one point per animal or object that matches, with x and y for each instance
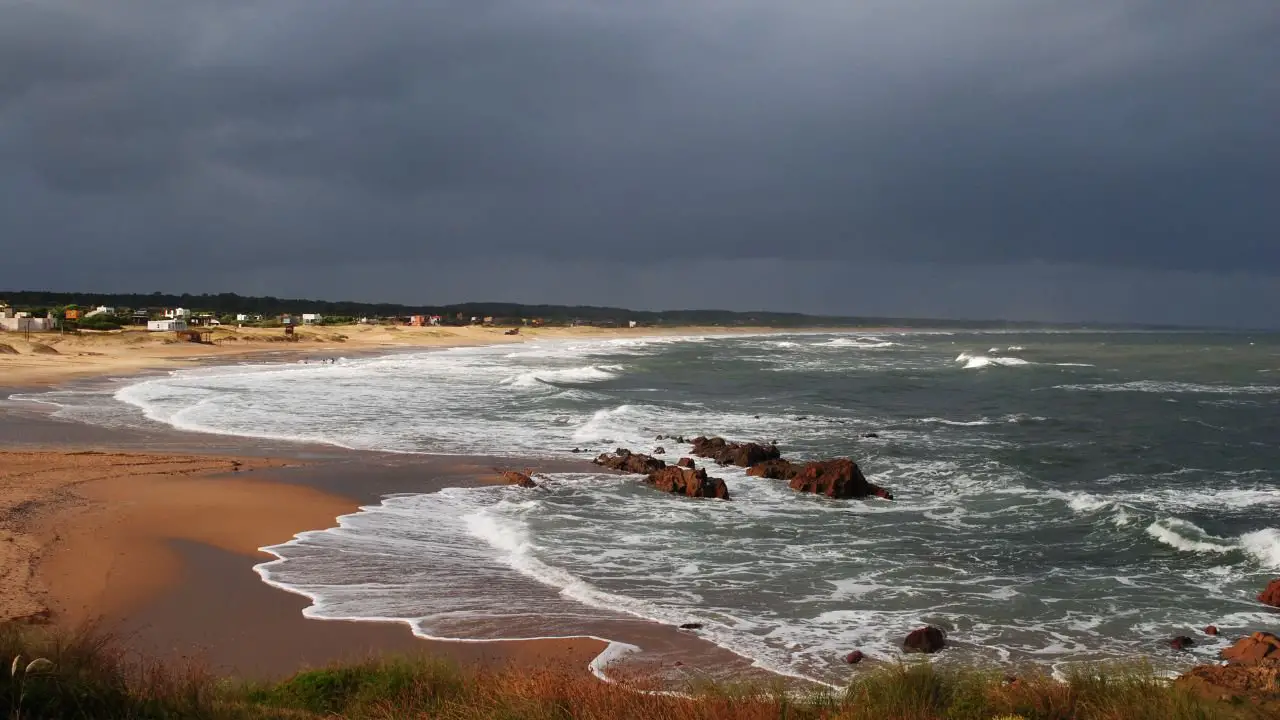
(1028, 159)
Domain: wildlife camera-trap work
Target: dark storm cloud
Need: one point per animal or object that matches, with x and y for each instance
(224, 141)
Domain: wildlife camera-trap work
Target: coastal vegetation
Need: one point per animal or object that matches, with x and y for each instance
(88, 675)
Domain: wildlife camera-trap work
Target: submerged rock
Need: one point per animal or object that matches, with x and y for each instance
(688, 482)
(1182, 642)
(839, 479)
(854, 657)
(1211, 630)
(925, 640)
(691, 626)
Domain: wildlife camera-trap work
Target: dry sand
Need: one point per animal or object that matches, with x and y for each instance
(47, 358)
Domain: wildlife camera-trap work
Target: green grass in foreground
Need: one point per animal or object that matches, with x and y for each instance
(87, 677)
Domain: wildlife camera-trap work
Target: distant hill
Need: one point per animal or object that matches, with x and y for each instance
(231, 303)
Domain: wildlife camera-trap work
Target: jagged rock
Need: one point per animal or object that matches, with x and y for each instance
(1182, 642)
(511, 477)
(1257, 649)
(686, 463)
(925, 640)
(836, 479)
(688, 482)
(1271, 594)
(774, 470)
(740, 454)
(576, 450)
(659, 451)
(627, 461)
(870, 435)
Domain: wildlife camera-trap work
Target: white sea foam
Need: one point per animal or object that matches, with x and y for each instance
(1189, 537)
(1264, 545)
(865, 343)
(587, 374)
(972, 362)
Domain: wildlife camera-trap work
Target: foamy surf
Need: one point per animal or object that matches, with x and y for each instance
(1262, 545)
(973, 362)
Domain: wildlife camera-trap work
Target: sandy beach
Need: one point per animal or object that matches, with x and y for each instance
(50, 358)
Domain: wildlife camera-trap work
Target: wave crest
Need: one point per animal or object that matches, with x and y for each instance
(972, 362)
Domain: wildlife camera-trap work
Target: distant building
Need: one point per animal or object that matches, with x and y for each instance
(177, 313)
(15, 322)
(312, 318)
(100, 310)
(167, 325)
(631, 323)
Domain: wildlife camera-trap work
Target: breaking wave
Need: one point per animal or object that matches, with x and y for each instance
(567, 376)
(973, 362)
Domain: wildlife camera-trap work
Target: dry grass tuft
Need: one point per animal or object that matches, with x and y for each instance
(85, 675)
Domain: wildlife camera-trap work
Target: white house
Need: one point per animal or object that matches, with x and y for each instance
(177, 314)
(311, 318)
(248, 317)
(19, 323)
(167, 325)
(101, 310)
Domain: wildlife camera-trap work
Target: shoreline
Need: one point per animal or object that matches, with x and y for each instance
(49, 359)
(156, 609)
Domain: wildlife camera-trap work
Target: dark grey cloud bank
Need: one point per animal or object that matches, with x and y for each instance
(1098, 159)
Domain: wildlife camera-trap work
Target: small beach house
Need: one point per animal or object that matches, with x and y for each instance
(167, 325)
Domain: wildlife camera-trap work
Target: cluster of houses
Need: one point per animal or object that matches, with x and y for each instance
(183, 319)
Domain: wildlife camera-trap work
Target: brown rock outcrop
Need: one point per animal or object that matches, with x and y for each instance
(774, 470)
(1271, 594)
(627, 461)
(740, 454)
(688, 482)
(686, 463)
(511, 477)
(1260, 648)
(836, 479)
(925, 640)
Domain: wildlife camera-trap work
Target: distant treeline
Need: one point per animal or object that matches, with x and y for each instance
(231, 303)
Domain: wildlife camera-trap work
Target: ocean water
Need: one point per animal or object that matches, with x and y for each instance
(1060, 497)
